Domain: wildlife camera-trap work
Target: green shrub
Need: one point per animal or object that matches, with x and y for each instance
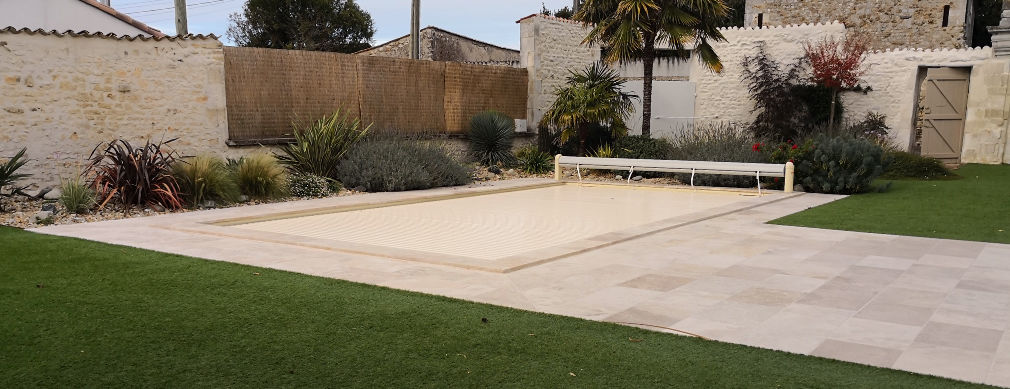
(204, 178)
(319, 146)
(719, 143)
(261, 176)
(9, 169)
(533, 161)
(840, 165)
(135, 175)
(908, 165)
(76, 196)
(490, 137)
(638, 147)
(398, 165)
(308, 185)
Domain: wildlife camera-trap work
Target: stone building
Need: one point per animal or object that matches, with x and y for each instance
(441, 45)
(889, 24)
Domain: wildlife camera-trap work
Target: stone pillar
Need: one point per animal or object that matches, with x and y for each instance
(1001, 33)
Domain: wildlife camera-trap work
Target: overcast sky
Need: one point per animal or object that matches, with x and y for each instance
(492, 21)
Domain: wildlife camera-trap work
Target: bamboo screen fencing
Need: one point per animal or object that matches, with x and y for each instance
(267, 90)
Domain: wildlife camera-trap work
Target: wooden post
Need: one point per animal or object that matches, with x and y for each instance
(557, 167)
(181, 25)
(790, 173)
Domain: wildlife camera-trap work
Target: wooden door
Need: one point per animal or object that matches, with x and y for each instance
(946, 99)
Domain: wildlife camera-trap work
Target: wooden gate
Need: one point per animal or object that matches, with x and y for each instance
(943, 112)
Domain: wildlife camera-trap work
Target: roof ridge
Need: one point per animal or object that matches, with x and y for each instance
(99, 34)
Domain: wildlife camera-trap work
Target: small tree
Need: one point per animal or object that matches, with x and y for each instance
(836, 65)
(316, 25)
(638, 29)
(591, 96)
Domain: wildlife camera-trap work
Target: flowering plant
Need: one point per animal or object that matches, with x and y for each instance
(789, 151)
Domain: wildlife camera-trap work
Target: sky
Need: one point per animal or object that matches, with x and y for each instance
(492, 21)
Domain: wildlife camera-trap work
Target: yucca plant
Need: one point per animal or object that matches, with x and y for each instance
(320, 145)
(135, 176)
(490, 137)
(76, 196)
(533, 161)
(9, 170)
(205, 177)
(261, 176)
(593, 96)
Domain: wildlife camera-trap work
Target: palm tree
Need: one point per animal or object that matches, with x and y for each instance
(632, 29)
(591, 96)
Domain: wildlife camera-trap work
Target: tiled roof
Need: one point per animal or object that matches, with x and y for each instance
(125, 18)
(87, 34)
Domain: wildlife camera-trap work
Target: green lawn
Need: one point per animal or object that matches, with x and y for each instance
(976, 207)
(78, 313)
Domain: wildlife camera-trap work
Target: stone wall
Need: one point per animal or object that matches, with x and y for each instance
(549, 49)
(723, 96)
(62, 95)
(441, 45)
(889, 23)
(892, 75)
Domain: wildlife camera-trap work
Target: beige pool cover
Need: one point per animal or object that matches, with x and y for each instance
(504, 231)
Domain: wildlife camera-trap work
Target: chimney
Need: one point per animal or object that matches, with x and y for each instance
(105, 3)
(1001, 33)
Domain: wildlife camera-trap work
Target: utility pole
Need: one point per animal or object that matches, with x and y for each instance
(181, 26)
(415, 27)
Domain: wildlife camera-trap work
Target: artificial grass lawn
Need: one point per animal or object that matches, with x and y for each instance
(976, 207)
(79, 313)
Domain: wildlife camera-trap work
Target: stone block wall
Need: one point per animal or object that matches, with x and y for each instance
(61, 95)
(894, 78)
(888, 23)
(892, 75)
(549, 49)
(723, 96)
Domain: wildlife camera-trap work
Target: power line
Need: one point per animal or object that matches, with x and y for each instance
(158, 10)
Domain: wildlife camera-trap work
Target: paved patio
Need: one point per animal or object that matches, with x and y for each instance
(931, 306)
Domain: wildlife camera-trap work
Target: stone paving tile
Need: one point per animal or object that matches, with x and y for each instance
(657, 282)
(911, 297)
(887, 262)
(748, 272)
(876, 333)
(839, 294)
(859, 353)
(963, 337)
(793, 283)
(769, 297)
(896, 313)
(945, 361)
(947, 261)
(943, 306)
(999, 373)
(796, 328)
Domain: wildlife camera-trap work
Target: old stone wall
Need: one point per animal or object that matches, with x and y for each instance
(723, 96)
(62, 95)
(892, 76)
(888, 23)
(441, 45)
